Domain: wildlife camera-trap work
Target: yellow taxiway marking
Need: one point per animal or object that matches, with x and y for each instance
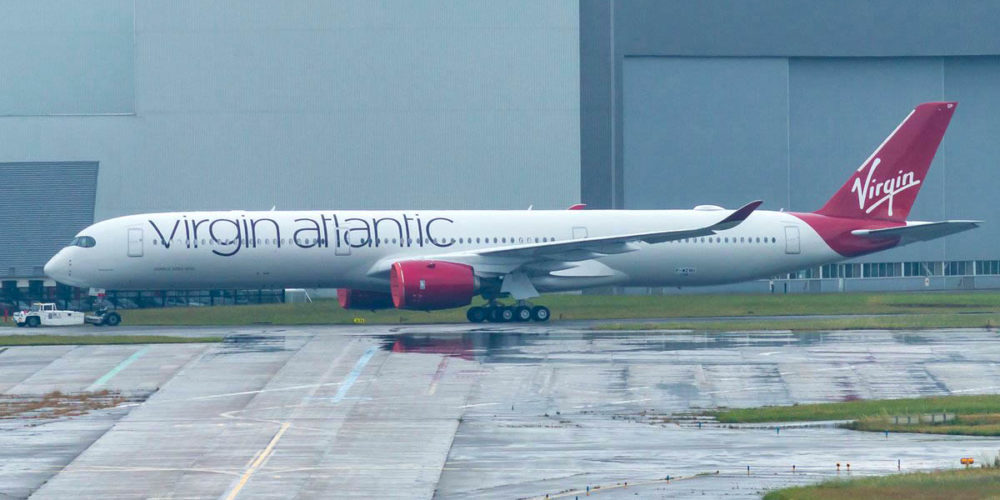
(257, 463)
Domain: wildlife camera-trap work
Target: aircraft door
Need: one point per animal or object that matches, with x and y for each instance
(792, 245)
(135, 242)
(342, 248)
(579, 232)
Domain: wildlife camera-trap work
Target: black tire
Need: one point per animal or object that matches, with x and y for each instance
(476, 314)
(493, 314)
(505, 314)
(33, 321)
(540, 314)
(522, 314)
(112, 319)
(19, 325)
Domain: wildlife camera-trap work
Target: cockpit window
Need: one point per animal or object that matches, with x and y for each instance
(83, 241)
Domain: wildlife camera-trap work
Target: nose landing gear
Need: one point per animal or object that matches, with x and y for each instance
(498, 313)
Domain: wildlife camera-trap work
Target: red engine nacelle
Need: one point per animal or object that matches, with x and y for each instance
(429, 284)
(350, 298)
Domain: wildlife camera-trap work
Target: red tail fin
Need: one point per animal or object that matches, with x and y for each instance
(886, 184)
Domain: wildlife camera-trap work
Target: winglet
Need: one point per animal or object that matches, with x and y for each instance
(577, 206)
(737, 217)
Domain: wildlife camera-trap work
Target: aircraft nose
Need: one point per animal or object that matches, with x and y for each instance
(57, 268)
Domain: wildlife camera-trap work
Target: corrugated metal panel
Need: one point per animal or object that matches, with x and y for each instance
(44, 205)
(306, 104)
(840, 111)
(690, 140)
(66, 58)
(722, 130)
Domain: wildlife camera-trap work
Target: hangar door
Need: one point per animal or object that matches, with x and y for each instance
(704, 130)
(44, 205)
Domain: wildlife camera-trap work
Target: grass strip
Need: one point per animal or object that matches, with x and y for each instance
(987, 424)
(862, 408)
(952, 484)
(29, 340)
(948, 306)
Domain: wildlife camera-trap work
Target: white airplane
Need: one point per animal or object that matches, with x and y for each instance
(425, 260)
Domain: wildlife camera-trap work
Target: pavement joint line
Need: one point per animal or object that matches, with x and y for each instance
(114, 371)
(353, 376)
(114, 469)
(258, 462)
(243, 393)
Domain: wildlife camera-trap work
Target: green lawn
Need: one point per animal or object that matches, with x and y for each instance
(972, 483)
(853, 410)
(985, 424)
(896, 310)
(976, 415)
(914, 310)
(26, 340)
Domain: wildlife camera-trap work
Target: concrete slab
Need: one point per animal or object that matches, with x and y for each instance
(19, 363)
(418, 411)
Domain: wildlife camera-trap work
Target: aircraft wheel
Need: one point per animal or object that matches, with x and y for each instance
(112, 319)
(505, 314)
(522, 313)
(476, 314)
(33, 321)
(540, 313)
(493, 314)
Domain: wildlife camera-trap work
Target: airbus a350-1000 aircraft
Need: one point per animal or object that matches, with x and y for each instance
(428, 260)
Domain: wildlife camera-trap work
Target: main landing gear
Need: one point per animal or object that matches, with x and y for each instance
(498, 313)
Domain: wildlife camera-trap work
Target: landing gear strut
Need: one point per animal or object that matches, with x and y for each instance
(499, 313)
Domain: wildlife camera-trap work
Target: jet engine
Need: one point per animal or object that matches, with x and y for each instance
(426, 285)
(350, 298)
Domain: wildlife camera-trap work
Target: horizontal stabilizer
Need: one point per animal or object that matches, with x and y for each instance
(919, 231)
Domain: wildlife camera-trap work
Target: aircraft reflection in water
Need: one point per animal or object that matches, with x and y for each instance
(519, 347)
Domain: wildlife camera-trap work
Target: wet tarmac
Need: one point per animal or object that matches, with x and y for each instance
(460, 411)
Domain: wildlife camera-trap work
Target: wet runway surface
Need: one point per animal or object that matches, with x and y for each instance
(457, 411)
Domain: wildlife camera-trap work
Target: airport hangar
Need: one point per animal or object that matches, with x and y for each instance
(115, 107)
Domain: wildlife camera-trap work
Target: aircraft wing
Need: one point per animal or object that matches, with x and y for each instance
(919, 231)
(588, 248)
(556, 255)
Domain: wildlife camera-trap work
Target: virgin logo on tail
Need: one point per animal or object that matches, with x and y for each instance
(877, 192)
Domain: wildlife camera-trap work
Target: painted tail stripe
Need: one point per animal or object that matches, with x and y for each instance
(353, 376)
(114, 371)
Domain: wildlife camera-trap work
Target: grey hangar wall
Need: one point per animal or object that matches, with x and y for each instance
(298, 104)
(721, 102)
(616, 103)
